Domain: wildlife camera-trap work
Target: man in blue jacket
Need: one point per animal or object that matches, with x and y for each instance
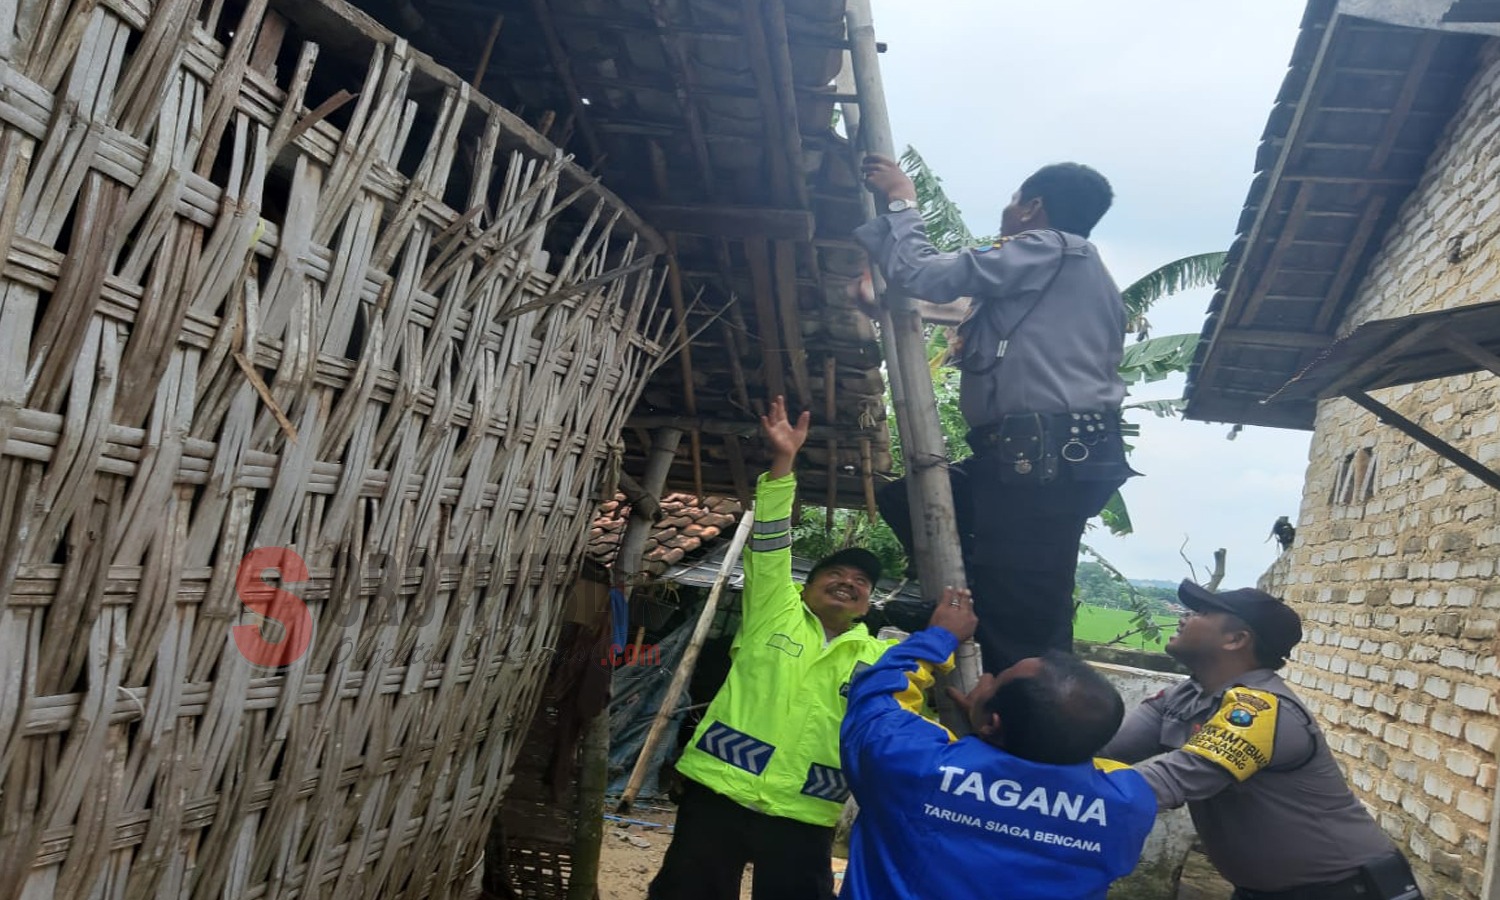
(1020, 809)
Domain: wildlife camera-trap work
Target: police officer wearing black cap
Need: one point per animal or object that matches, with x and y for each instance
(1238, 747)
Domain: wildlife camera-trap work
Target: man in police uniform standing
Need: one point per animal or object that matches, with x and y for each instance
(764, 781)
(1237, 746)
(1039, 352)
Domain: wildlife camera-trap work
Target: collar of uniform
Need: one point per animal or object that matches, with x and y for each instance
(1255, 678)
(857, 627)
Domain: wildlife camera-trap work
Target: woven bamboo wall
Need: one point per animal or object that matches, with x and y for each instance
(240, 309)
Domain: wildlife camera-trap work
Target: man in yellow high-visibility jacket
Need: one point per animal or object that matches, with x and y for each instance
(764, 783)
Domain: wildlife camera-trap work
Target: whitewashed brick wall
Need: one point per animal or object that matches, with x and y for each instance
(1396, 582)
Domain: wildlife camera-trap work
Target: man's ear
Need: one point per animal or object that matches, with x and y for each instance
(1033, 210)
(991, 729)
(1237, 639)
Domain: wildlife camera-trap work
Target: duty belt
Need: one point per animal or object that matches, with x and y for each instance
(1029, 437)
(1350, 888)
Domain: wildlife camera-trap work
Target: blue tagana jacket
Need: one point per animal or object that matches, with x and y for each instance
(941, 817)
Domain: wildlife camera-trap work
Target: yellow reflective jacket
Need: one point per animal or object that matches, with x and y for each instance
(770, 739)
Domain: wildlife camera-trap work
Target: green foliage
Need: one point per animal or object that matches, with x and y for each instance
(946, 228)
(1099, 584)
(1175, 277)
(1099, 625)
(811, 538)
(1154, 359)
(1164, 409)
(1115, 515)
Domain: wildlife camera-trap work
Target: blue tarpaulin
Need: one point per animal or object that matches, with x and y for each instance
(637, 695)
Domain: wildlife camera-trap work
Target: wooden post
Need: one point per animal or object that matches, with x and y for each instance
(934, 529)
(664, 443)
(689, 661)
(588, 831)
(593, 779)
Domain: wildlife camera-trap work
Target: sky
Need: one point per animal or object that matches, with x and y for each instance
(1168, 99)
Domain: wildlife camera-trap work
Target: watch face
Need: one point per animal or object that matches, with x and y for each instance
(899, 205)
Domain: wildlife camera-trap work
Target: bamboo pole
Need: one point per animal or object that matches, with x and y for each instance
(933, 525)
(689, 662)
(489, 49)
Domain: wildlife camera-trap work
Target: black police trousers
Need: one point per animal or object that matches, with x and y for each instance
(715, 837)
(1020, 550)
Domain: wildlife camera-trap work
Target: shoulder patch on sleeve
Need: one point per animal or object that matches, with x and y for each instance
(1241, 736)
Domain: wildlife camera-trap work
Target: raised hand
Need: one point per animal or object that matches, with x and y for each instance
(884, 176)
(784, 437)
(861, 292)
(955, 613)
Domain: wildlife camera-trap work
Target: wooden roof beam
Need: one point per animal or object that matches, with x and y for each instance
(820, 433)
(546, 76)
(775, 128)
(1300, 339)
(762, 287)
(1351, 260)
(664, 130)
(790, 310)
(695, 32)
(564, 69)
(773, 30)
(684, 83)
(1312, 95)
(1301, 197)
(765, 223)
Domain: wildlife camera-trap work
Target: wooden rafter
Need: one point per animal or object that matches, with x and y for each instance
(791, 320)
(684, 87)
(763, 290)
(748, 428)
(1301, 196)
(560, 62)
(1350, 261)
(830, 414)
(661, 86)
(757, 52)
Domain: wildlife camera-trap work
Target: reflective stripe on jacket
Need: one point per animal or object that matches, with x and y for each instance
(770, 738)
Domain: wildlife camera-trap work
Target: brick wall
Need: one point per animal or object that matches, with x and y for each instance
(1393, 568)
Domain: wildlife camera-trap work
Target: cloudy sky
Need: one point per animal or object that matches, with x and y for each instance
(1168, 99)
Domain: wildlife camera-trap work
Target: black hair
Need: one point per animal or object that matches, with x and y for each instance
(1075, 196)
(1264, 658)
(1060, 716)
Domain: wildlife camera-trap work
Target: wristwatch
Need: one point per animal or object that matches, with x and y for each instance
(896, 206)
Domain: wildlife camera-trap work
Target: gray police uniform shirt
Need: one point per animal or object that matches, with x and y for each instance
(1268, 799)
(1064, 349)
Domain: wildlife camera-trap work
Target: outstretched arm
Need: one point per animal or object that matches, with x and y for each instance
(883, 730)
(1251, 731)
(1139, 736)
(784, 436)
(769, 589)
(898, 244)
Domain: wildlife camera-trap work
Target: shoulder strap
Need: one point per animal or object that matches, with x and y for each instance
(1004, 341)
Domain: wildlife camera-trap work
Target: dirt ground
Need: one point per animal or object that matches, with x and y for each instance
(632, 854)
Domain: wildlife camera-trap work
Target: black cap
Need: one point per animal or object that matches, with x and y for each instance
(1276, 626)
(858, 557)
